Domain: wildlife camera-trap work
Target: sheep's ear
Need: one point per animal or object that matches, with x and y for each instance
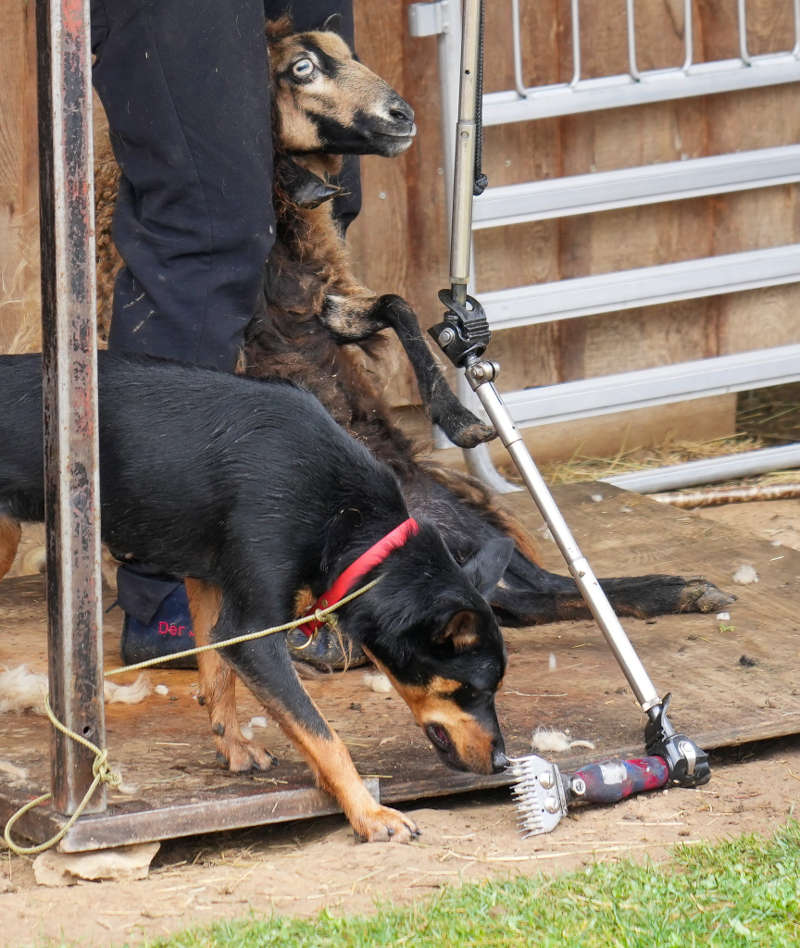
(302, 186)
(333, 23)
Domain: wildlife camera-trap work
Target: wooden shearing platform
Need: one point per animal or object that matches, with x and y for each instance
(731, 681)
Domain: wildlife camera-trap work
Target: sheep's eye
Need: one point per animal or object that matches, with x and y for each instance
(303, 68)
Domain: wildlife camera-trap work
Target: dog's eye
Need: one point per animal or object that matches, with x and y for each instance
(303, 68)
(468, 695)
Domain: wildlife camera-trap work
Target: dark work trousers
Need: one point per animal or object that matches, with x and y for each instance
(185, 86)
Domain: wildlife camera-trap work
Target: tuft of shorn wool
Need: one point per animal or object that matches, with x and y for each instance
(127, 694)
(745, 575)
(377, 681)
(547, 740)
(22, 690)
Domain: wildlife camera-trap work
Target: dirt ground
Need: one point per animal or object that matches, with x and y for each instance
(300, 868)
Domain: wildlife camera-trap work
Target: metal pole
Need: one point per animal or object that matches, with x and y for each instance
(708, 470)
(464, 335)
(479, 375)
(464, 180)
(478, 460)
(70, 393)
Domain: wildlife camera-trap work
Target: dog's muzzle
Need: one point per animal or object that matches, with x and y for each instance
(438, 736)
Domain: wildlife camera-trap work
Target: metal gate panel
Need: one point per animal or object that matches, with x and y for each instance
(597, 192)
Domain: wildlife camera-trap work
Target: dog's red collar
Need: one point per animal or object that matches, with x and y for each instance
(374, 556)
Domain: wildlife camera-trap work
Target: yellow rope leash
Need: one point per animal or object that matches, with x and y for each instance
(102, 774)
(321, 615)
(100, 768)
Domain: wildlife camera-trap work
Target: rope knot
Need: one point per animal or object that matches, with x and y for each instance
(102, 771)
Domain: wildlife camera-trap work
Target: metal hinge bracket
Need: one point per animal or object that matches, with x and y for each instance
(428, 19)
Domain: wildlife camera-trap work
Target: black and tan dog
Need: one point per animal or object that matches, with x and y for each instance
(260, 495)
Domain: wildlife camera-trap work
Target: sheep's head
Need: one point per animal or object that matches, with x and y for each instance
(328, 102)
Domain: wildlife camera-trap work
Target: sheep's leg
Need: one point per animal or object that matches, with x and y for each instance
(354, 318)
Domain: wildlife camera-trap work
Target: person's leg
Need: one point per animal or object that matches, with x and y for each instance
(186, 89)
(157, 620)
(185, 86)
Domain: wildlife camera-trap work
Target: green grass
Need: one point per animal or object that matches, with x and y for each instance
(743, 892)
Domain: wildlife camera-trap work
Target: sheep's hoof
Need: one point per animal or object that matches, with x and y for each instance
(462, 427)
(326, 650)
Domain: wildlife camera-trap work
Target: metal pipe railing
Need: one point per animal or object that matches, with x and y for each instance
(630, 18)
(741, 19)
(688, 34)
(688, 68)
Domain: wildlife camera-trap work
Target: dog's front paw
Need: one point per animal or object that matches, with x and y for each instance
(240, 755)
(384, 825)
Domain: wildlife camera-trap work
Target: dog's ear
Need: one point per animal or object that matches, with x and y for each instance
(461, 632)
(333, 23)
(485, 569)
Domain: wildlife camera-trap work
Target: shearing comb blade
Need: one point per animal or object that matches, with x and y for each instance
(542, 793)
(539, 794)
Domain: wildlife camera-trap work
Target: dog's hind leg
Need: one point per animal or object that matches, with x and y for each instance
(218, 687)
(356, 318)
(10, 533)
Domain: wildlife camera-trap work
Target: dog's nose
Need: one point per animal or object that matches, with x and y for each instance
(499, 759)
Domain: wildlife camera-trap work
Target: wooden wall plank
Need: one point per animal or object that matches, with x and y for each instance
(20, 329)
